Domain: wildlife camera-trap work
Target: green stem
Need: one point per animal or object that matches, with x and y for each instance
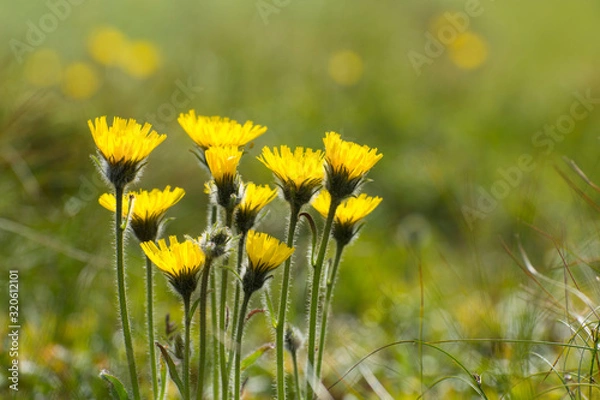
(150, 321)
(202, 336)
(222, 308)
(221, 336)
(323, 328)
(313, 378)
(283, 304)
(296, 377)
(594, 355)
(236, 302)
(238, 347)
(122, 293)
(214, 342)
(186, 355)
(212, 217)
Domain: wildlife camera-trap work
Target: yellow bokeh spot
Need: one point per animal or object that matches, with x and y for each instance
(140, 59)
(43, 68)
(106, 45)
(345, 67)
(468, 51)
(80, 81)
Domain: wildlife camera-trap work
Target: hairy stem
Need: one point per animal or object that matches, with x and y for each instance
(238, 347)
(283, 304)
(236, 302)
(313, 378)
(328, 295)
(122, 293)
(222, 308)
(186, 355)
(202, 336)
(150, 321)
(296, 376)
(214, 315)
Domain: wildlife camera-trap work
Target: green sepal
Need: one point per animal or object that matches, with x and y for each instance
(194, 306)
(255, 355)
(199, 154)
(163, 380)
(172, 368)
(233, 271)
(270, 308)
(117, 389)
(315, 233)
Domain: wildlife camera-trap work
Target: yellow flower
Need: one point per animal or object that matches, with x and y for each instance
(222, 163)
(208, 132)
(265, 253)
(347, 214)
(321, 202)
(346, 164)
(356, 208)
(181, 262)
(147, 210)
(125, 140)
(255, 199)
(300, 173)
(123, 146)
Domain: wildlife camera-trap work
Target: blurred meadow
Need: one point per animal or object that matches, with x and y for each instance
(476, 106)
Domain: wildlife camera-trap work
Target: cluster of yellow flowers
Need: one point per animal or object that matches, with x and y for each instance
(331, 178)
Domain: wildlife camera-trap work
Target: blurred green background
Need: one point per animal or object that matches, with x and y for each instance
(472, 103)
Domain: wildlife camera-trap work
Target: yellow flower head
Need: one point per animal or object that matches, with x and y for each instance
(347, 214)
(209, 132)
(255, 199)
(123, 146)
(181, 262)
(355, 209)
(222, 163)
(346, 164)
(265, 253)
(147, 209)
(300, 174)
